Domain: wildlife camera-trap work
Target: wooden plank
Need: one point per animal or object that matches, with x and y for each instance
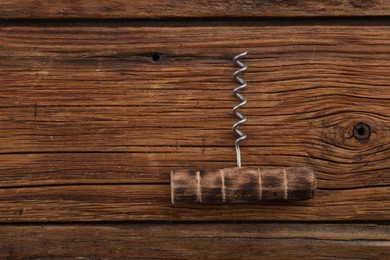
(196, 241)
(153, 202)
(85, 106)
(71, 94)
(198, 8)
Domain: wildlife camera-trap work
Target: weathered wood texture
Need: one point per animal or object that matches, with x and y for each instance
(242, 185)
(197, 8)
(84, 108)
(153, 202)
(194, 241)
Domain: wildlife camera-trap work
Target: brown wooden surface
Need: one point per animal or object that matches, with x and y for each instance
(194, 241)
(91, 125)
(153, 202)
(198, 8)
(95, 113)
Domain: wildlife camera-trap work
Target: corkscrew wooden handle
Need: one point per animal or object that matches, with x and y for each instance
(242, 185)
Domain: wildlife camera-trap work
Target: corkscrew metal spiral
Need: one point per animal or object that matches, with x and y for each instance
(242, 118)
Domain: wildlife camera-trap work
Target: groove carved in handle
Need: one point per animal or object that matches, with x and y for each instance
(242, 185)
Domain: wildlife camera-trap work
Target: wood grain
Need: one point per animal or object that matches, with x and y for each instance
(198, 8)
(194, 241)
(88, 110)
(153, 202)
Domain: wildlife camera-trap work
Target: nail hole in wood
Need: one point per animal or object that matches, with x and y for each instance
(361, 131)
(156, 56)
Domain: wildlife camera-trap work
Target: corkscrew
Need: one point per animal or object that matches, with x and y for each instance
(242, 184)
(243, 100)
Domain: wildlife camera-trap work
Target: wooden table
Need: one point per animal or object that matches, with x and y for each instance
(100, 100)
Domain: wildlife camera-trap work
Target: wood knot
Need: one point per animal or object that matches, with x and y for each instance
(21, 212)
(353, 137)
(156, 56)
(362, 131)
